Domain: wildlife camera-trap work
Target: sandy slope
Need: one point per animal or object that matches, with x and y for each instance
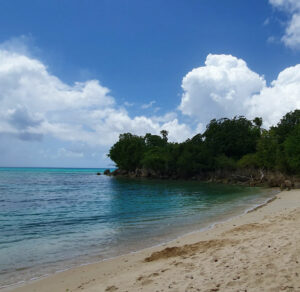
(259, 251)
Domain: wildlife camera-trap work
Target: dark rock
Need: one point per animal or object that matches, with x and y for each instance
(107, 172)
(119, 172)
(241, 178)
(153, 173)
(132, 174)
(98, 173)
(144, 172)
(288, 184)
(138, 172)
(123, 172)
(276, 181)
(115, 172)
(297, 185)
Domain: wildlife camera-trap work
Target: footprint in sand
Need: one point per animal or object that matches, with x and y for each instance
(111, 288)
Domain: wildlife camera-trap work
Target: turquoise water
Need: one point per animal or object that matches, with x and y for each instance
(53, 218)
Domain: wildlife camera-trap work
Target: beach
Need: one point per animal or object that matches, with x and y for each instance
(57, 219)
(258, 251)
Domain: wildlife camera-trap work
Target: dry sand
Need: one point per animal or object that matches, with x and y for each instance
(259, 251)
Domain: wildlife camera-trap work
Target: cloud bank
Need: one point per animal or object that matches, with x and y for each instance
(35, 103)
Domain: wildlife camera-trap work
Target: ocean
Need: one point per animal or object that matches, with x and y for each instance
(52, 219)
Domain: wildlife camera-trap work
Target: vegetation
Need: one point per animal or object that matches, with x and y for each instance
(226, 144)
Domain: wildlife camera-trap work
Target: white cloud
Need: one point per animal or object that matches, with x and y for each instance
(287, 5)
(165, 118)
(148, 105)
(291, 37)
(281, 97)
(292, 33)
(226, 87)
(128, 104)
(220, 88)
(37, 104)
(19, 45)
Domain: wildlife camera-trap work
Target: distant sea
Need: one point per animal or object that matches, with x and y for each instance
(53, 219)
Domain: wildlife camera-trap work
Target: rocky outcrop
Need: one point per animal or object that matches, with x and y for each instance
(120, 172)
(247, 177)
(107, 172)
(287, 184)
(296, 185)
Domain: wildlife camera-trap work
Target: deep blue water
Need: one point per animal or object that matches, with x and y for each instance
(53, 218)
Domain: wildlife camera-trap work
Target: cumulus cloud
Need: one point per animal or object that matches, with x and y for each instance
(220, 88)
(22, 119)
(35, 104)
(226, 87)
(281, 97)
(291, 37)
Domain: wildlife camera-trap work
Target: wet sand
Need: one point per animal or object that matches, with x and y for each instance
(258, 251)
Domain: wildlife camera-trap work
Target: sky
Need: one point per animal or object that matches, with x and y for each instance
(76, 74)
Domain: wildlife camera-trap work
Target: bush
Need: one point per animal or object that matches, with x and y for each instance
(224, 162)
(249, 161)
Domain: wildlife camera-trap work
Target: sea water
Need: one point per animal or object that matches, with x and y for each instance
(52, 219)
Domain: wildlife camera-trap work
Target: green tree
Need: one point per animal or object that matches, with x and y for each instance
(128, 152)
(292, 150)
(154, 141)
(267, 150)
(258, 122)
(231, 137)
(226, 144)
(249, 161)
(155, 159)
(164, 134)
(286, 125)
(224, 162)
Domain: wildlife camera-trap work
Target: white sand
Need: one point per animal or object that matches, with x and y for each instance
(259, 251)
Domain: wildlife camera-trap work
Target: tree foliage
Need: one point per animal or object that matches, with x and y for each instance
(225, 144)
(233, 138)
(128, 152)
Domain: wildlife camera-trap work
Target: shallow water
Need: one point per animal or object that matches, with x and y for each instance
(53, 219)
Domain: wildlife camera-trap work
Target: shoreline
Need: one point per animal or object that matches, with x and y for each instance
(175, 236)
(243, 176)
(188, 230)
(138, 257)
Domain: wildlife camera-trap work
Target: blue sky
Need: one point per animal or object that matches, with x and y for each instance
(75, 74)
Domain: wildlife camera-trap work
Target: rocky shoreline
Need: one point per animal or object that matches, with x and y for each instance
(247, 177)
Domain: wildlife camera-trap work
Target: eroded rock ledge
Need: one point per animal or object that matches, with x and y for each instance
(247, 177)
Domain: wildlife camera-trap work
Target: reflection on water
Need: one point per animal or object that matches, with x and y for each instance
(56, 218)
